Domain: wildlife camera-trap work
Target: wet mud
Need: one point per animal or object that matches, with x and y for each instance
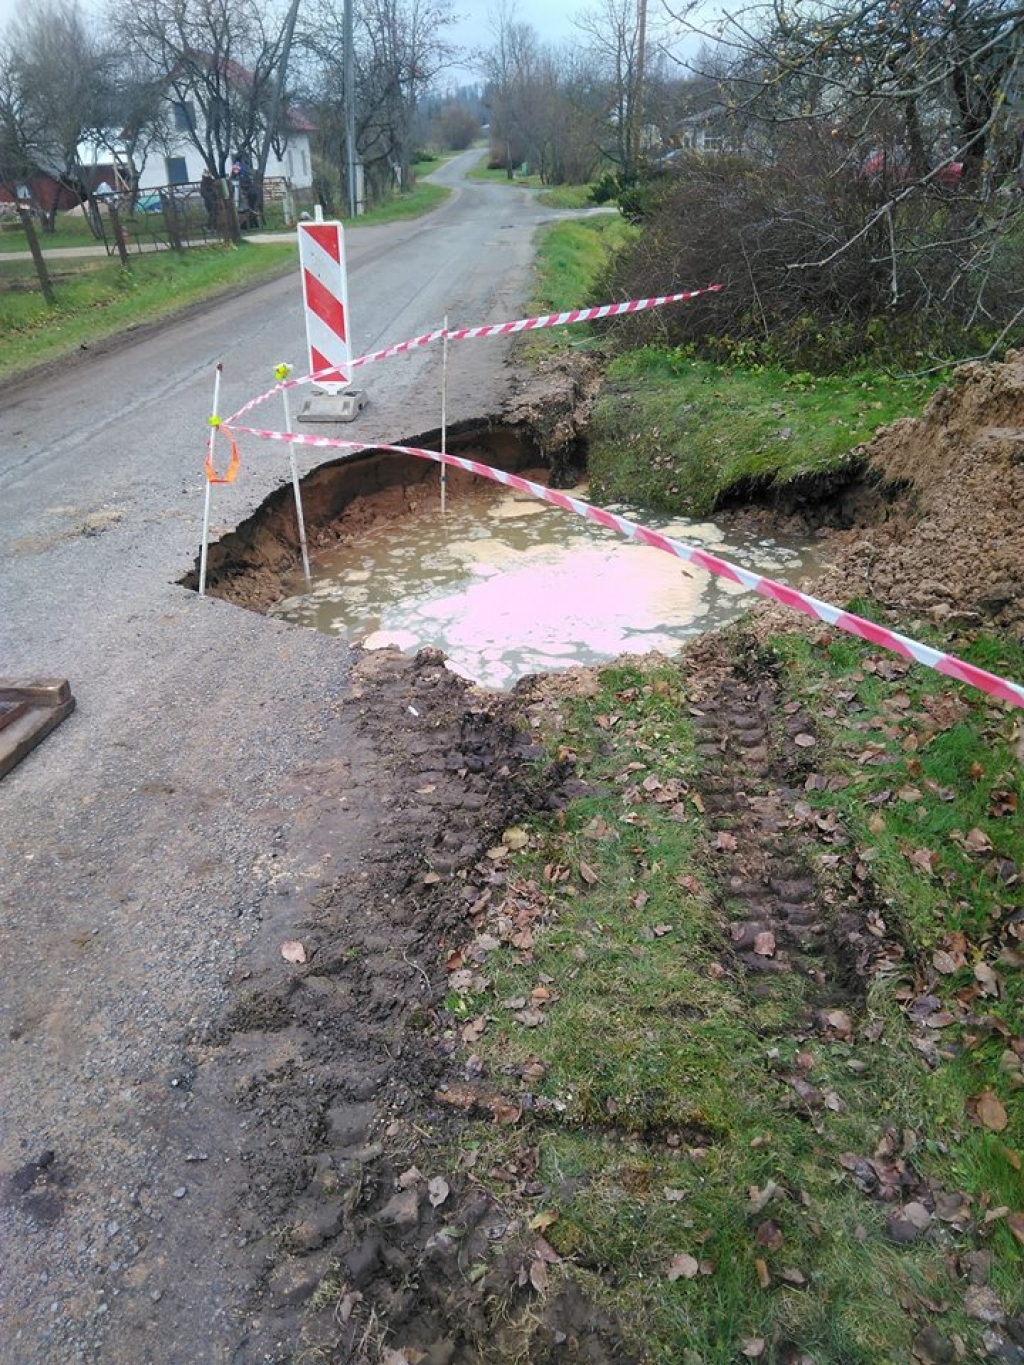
(329, 1061)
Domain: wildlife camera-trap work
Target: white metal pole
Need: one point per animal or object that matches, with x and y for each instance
(295, 486)
(444, 413)
(214, 419)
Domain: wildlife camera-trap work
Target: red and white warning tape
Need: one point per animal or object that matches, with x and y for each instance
(604, 310)
(947, 664)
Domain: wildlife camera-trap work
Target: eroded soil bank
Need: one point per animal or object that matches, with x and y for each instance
(953, 545)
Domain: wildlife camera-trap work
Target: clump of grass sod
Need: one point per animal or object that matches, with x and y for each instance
(680, 435)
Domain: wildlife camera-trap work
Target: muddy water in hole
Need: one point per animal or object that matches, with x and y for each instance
(507, 586)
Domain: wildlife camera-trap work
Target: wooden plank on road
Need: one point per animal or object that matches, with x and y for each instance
(29, 710)
(37, 691)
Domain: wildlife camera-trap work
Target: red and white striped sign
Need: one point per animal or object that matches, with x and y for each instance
(325, 298)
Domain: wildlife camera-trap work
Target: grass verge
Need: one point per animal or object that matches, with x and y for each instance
(571, 257)
(733, 1179)
(96, 299)
(552, 196)
(422, 198)
(680, 435)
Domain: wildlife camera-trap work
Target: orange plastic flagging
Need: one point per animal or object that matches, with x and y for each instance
(231, 473)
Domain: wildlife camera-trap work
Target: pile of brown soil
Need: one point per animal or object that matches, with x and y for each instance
(954, 546)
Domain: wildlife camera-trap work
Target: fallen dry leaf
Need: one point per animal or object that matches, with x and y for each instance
(925, 859)
(944, 963)
(753, 1347)
(293, 951)
(438, 1190)
(989, 1111)
(764, 944)
(515, 838)
(977, 841)
(986, 979)
(540, 1222)
(1015, 1222)
(545, 1251)
(531, 1018)
(804, 741)
(725, 842)
(588, 874)
(505, 1111)
(839, 1022)
(539, 1275)
(474, 1029)
(763, 1278)
(982, 1304)
(757, 1199)
(682, 1267)
(769, 1235)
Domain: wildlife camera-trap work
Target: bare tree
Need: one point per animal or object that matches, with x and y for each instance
(616, 33)
(405, 50)
(216, 61)
(400, 49)
(510, 66)
(54, 73)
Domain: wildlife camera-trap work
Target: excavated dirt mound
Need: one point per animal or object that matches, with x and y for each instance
(953, 547)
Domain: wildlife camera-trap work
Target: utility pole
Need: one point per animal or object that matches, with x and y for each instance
(637, 119)
(350, 111)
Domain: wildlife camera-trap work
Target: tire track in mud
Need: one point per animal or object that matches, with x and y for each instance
(363, 1261)
(322, 1060)
(782, 916)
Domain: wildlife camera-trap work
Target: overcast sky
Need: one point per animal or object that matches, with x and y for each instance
(551, 18)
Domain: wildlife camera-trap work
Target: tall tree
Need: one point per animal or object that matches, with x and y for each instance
(615, 31)
(217, 61)
(400, 48)
(54, 76)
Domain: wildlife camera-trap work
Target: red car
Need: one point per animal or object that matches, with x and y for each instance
(896, 165)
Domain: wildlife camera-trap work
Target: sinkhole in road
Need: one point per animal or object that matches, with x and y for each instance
(505, 584)
(502, 583)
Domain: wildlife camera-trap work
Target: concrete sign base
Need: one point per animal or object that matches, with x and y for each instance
(334, 407)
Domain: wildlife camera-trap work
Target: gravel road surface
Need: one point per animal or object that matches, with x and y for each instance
(197, 794)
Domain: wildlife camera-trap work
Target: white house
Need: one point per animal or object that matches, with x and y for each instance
(178, 161)
(172, 157)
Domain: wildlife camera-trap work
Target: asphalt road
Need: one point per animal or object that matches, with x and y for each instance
(140, 841)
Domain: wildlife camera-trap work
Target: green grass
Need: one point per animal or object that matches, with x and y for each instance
(432, 161)
(421, 199)
(499, 176)
(571, 258)
(69, 230)
(97, 298)
(678, 434)
(660, 1082)
(552, 196)
(565, 197)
